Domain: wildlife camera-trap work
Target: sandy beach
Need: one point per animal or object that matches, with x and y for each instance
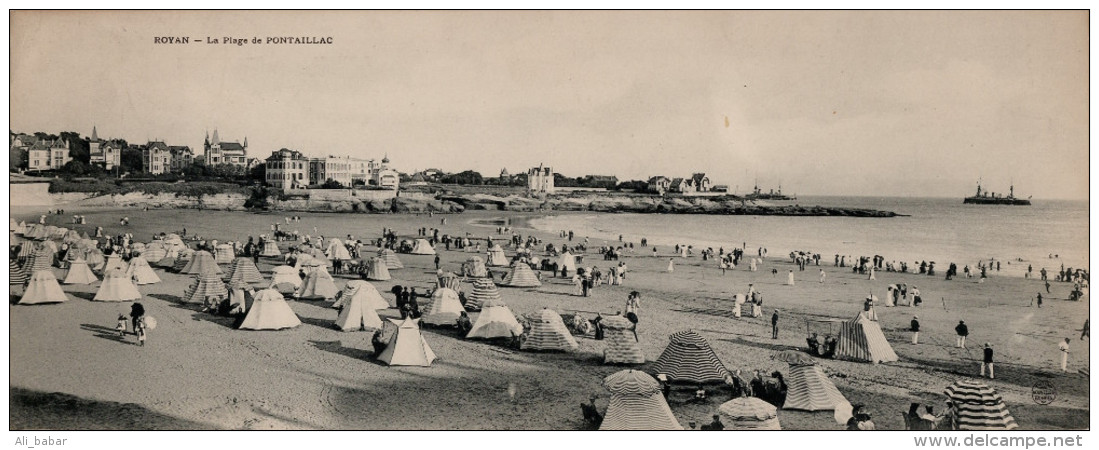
(70, 371)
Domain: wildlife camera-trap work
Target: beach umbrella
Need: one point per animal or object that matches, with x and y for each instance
(154, 254)
(688, 357)
(150, 322)
(749, 413)
(636, 403)
(979, 407)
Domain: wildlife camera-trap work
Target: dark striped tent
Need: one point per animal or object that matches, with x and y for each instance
(979, 407)
(861, 339)
(244, 270)
(749, 413)
(483, 290)
(689, 358)
(201, 261)
(622, 346)
(207, 284)
(548, 332)
(520, 276)
(636, 403)
(809, 389)
(391, 261)
(16, 276)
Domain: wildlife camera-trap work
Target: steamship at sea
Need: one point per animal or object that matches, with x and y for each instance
(992, 198)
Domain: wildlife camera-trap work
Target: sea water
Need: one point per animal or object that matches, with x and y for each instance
(933, 229)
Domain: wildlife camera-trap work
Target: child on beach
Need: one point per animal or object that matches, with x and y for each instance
(121, 326)
(140, 331)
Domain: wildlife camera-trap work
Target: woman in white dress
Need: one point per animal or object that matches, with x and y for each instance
(671, 265)
(790, 278)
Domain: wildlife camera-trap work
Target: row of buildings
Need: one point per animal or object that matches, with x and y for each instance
(289, 169)
(696, 183)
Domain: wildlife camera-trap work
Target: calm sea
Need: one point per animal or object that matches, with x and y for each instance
(935, 229)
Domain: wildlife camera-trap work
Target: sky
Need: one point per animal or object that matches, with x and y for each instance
(906, 103)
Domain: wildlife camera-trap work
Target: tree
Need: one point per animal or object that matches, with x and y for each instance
(78, 146)
(75, 167)
(17, 159)
(331, 184)
(258, 173)
(131, 160)
(466, 177)
(634, 185)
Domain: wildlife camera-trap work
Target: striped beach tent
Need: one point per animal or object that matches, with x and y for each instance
(168, 262)
(285, 279)
(358, 307)
(444, 308)
(483, 290)
(520, 276)
(71, 236)
(182, 260)
(40, 259)
(422, 247)
(270, 249)
(495, 321)
(16, 276)
(25, 250)
(36, 231)
(224, 254)
(450, 281)
(318, 284)
(206, 284)
(622, 346)
(689, 358)
(376, 269)
(809, 389)
(201, 262)
(636, 403)
(154, 253)
(79, 273)
(548, 332)
(749, 413)
(861, 339)
(390, 257)
(364, 292)
(979, 407)
(141, 272)
(496, 256)
(407, 347)
(116, 287)
(269, 311)
(474, 267)
(95, 259)
(244, 270)
(43, 288)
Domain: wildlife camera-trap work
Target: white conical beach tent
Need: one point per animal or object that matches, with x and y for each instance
(809, 389)
(224, 254)
(376, 269)
(94, 258)
(521, 276)
(566, 261)
(115, 262)
(270, 249)
(116, 287)
(318, 285)
(407, 347)
(337, 251)
(285, 279)
(43, 288)
(861, 339)
(636, 403)
(496, 256)
(495, 321)
(483, 291)
(749, 413)
(201, 261)
(357, 308)
(140, 271)
(269, 311)
(79, 273)
(206, 284)
(422, 247)
(979, 407)
(688, 357)
(391, 260)
(548, 332)
(364, 292)
(445, 308)
(622, 345)
(244, 271)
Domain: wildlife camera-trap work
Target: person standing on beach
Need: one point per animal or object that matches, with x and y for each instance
(1039, 299)
(671, 265)
(1044, 274)
(774, 325)
(436, 261)
(1047, 287)
(915, 330)
(962, 331)
(1063, 347)
(790, 278)
(987, 362)
(1086, 331)
(822, 275)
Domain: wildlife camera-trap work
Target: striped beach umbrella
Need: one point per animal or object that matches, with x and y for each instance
(206, 284)
(520, 276)
(809, 389)
(483, 290)
(622, 346)
(243, 269)
(749, 413)
(391, 261)
(688, 357)
(636, 403)
(979, 407)
(548, 332)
